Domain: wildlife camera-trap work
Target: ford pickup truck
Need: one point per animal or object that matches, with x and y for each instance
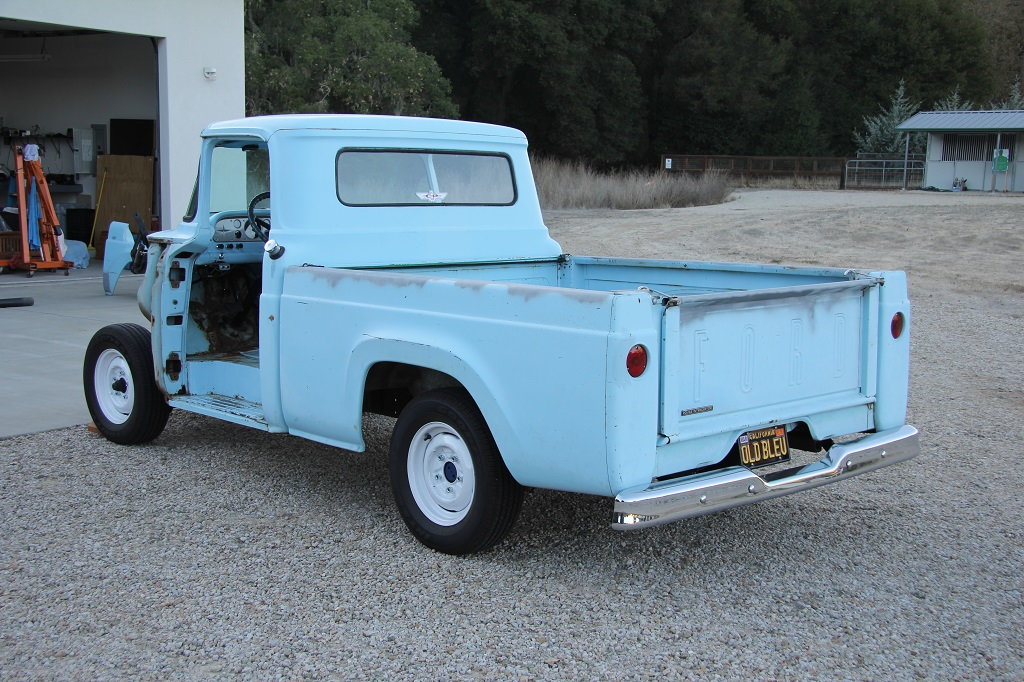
(334, 265)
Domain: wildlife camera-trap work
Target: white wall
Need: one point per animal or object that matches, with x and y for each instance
(940, 174)
(190, 35)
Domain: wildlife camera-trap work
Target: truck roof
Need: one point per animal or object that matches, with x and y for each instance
(265, 126)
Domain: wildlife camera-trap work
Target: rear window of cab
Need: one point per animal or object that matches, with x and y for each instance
(378, 177)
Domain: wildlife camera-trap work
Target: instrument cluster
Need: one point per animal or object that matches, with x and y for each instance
(235, 230)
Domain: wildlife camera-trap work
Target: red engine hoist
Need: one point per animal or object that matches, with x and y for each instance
(47, 256)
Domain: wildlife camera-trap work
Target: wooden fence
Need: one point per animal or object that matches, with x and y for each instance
(773, 166)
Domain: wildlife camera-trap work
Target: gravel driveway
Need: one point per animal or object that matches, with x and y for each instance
(219, 552)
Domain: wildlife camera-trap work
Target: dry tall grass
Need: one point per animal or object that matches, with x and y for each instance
(787, 182)
(564, 184)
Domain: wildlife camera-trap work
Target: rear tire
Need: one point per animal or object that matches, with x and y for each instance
(120, 390)
(449, 481)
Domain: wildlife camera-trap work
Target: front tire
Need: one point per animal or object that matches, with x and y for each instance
(123, 399)
(449, 481)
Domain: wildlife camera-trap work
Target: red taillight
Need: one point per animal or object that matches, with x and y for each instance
(899, 322)
(636, 360)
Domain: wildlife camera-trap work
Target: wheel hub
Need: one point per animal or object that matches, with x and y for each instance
(117, 400)
(451, 472)
(441, 474)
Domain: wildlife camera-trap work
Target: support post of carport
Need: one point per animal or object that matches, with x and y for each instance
(995, 175)
(906, 161)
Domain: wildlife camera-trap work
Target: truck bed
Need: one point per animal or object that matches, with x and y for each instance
(742, 345)
(734, 347)
(674, 278)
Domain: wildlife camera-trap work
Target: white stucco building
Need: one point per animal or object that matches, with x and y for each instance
(134, 74)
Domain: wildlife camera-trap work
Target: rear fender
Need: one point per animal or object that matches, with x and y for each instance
(372, 350)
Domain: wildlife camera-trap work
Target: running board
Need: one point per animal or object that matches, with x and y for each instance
(223, 407)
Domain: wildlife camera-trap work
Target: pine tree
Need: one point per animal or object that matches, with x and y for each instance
(880, 135)
(1015, 100)
(953, 102)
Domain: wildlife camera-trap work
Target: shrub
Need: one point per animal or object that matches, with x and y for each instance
(880, 135)
(566, 184)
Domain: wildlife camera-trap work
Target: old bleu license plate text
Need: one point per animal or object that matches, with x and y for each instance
(764, 446)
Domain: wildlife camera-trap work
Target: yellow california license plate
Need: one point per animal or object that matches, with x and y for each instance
(763, 447)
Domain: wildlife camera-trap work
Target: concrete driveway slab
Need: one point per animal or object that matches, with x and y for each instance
(42, 345)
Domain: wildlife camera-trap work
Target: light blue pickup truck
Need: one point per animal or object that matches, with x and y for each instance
(335, 265)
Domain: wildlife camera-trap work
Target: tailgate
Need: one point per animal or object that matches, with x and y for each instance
(737, 360)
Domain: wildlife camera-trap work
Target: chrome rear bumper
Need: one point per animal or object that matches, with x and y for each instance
(712, 491)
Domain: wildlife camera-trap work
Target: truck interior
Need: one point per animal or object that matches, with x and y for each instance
(226, 280)
(220, 342)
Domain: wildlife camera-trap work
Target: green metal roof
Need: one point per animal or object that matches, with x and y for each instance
(977, 121)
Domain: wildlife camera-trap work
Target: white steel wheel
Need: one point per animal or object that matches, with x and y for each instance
(450, 482)
(115, 390)
(442, 479)
(120, 386)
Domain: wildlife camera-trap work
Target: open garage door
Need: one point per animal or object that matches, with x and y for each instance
(140, 78)
(87, 99)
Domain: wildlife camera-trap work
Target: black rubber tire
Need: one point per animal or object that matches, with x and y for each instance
(149, 410)
(497, 498)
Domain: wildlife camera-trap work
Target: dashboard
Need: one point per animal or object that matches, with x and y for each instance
(234, 240)
(236, 229)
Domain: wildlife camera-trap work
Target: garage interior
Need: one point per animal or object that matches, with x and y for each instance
(89, 100)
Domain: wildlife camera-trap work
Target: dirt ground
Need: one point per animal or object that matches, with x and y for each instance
(960, 241)
(218, 551)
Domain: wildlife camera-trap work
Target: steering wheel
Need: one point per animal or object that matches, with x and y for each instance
(260, 226)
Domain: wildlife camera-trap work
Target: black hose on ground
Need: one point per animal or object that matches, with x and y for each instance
(16, 302)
